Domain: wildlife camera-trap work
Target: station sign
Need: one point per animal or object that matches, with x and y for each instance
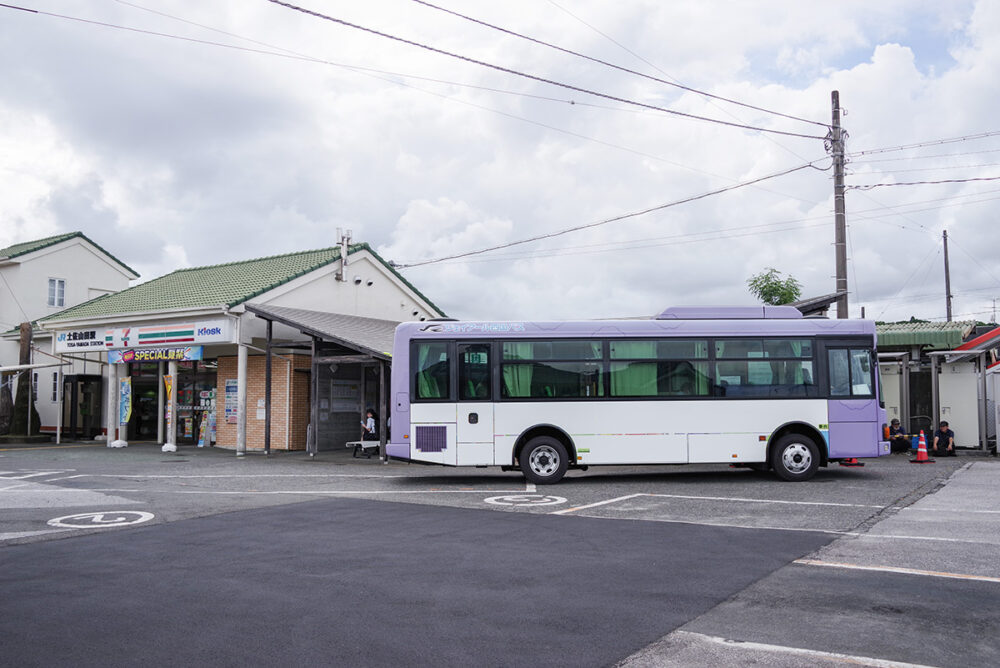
(202, 332)
(80, 340)
(180, 354)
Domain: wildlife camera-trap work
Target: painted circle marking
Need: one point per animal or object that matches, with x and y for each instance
(101, 520)
(525, 500)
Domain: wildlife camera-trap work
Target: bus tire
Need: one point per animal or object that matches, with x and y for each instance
(544, 460)
(795, 458)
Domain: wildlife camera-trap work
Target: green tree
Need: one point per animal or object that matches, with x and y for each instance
(768, 287)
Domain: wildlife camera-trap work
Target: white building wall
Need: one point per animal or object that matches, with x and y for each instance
(87, 272)
(959, 401)
(370, 291)
(890, 377)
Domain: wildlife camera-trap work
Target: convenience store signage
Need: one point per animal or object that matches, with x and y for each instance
(205, 331)
(182, 354)
(79, 340)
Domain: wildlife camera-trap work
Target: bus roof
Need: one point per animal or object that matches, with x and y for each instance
(671, 327)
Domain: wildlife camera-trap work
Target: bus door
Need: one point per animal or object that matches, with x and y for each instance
(475, 404)
(854, 408)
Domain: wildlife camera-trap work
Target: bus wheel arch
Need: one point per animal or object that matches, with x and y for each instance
(802, 429)
(794, 456)
(543, 430)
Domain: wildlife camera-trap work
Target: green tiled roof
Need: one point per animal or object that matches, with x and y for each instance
(217, 285)
(933, 335)
(26, 247)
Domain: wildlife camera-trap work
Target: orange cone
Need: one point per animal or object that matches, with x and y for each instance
(851, 461)
(922, 457)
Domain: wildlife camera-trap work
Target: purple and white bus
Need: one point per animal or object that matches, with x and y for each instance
(755, 386)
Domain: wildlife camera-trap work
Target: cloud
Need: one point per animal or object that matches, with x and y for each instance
(171, 152)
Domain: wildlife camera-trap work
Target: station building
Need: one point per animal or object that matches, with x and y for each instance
(284, 352)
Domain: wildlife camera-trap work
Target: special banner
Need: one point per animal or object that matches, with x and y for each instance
(124, 400)
(185, 354)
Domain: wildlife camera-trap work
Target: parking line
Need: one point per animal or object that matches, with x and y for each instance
(798, 651)
(53, 447)
(594, 505)
(714, 498)
(736, 498)
(897, 569)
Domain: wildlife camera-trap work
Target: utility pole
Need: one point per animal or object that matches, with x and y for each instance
(947, 279)
(839, 212)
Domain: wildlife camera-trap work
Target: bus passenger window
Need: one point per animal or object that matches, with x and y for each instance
(430, 368)
(474, 372)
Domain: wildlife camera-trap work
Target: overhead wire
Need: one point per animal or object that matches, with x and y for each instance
(933, 142)
(373, 73)
(606, 221)
(532, 77)
(555, 47)
(923, 183)
(926, 157)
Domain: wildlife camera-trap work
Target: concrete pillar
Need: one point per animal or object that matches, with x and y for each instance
(59, 394)
(171, 444)
(160, 392)
(111, 415)
(984, 405)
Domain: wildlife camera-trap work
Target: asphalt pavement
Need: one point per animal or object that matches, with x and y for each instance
(115, 557)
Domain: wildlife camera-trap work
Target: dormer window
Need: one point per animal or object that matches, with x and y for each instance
(57, 292)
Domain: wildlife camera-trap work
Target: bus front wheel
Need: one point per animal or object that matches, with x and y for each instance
(544, 460)
(795, 457)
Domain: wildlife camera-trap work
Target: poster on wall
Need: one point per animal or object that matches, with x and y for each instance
(124, 401)
(232, 406)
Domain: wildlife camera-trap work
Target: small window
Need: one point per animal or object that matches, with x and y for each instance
(431, 371)
(474, 382)
(760, 348)
(850, 373)
(57, 292)
(552, 350)
(664, 349)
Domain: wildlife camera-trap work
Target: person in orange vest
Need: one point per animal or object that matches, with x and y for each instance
(944, 437)
(898, 441)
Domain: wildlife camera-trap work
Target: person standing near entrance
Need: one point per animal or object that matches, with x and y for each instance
(945, 437)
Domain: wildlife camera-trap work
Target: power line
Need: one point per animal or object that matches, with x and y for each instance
(607, 220)
(924, 183)
(373, 73)
(934, 142)
(612, 65)
(926, 157)
(928, 169)
(971, 257)
(532, 77)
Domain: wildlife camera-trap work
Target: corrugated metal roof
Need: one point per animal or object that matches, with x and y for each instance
(368, 335)
(26, 247)
(932, 335)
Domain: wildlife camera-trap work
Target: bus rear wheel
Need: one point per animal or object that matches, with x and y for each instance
(795, 458)
(543, 460)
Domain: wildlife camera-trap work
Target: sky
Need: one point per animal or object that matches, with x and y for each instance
(181, 133)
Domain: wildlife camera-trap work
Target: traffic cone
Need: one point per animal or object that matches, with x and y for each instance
(851, 461)
(922, 457)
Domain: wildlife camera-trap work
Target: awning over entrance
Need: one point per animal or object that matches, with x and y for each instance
(367, 336)
(336, 337)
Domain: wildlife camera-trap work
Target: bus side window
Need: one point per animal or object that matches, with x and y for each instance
(431, 371)
(840, 373)
(474, 372)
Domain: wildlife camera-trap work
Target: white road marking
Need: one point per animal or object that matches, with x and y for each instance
(101, 520)
(798, 651)
(897, 569)
(150, 476)
(594, 505)
(21, 475)
(525, 500)
(715, 498)
(530, 487)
